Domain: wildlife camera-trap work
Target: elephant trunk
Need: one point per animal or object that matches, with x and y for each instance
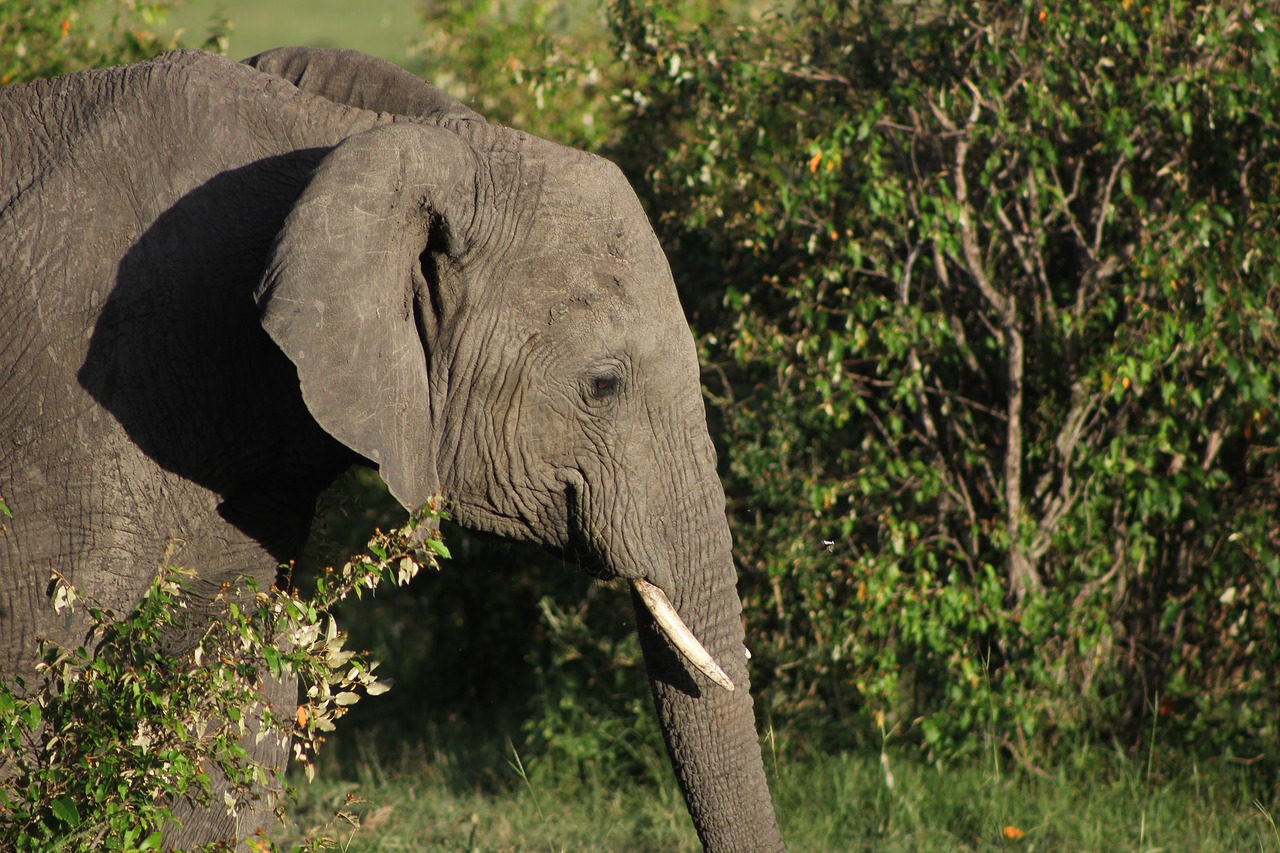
(710, 730)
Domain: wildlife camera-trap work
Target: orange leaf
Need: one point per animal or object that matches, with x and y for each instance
(1013, 833)
(302, 717)
(814, 161)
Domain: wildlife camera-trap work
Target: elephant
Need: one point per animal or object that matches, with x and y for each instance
(225, 283)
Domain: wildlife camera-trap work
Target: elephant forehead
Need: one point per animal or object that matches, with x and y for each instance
(584, 293)
(586, 199)
(584, 256)
(600, 238)
(589, 267)
(583, 308)
(595, 312)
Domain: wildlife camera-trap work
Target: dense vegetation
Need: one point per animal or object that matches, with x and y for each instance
(44, 38)
(989, 322)
(987, 301)
(985, 298)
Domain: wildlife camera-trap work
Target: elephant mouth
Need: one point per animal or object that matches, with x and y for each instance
(677, 632)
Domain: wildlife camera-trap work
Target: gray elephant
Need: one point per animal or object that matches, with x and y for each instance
(224, 283)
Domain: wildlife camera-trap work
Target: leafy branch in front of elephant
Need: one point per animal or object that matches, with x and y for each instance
(310, 631)
(102, 741)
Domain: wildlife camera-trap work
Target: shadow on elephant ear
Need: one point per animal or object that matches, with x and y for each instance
(177, 356)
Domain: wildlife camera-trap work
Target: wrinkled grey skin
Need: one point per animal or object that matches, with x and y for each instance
(219, 289)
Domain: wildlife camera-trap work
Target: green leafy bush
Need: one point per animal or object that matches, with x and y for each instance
(985, 294)
(989, 330)
(538, 65)
(45, 38)
(98, 746)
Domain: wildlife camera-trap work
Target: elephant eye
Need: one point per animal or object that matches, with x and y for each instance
(604, 385)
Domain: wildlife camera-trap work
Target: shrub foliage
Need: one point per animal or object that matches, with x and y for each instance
(100, 743)
(986, 296)
(45, 38)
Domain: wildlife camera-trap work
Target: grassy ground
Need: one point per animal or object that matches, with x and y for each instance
(432, 799)
(379, 27)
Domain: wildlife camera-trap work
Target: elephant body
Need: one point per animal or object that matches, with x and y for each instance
(224, 283)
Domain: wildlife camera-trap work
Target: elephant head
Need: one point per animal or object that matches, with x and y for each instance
(489, 316)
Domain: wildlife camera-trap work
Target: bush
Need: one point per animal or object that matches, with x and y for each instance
(45, 38)
(101, 742)
(990, 347)
(984, 294)
(542, 66)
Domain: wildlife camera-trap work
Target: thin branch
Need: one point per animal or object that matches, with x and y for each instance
(1022, 572)
(1104, 205)
(957, 328)
(968, 403)
(969, 241)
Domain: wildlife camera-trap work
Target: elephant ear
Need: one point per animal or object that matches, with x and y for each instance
(345, 296)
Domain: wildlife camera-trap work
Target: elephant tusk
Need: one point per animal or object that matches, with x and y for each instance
(674, 629)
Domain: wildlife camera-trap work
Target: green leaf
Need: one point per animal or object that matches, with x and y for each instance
(272, 656)
(439, 548)
(64, 808)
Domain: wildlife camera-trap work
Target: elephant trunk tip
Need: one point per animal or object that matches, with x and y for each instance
(678, 633)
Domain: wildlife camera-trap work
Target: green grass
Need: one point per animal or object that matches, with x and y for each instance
(378, 27)
(1105, 803)
(486, 798)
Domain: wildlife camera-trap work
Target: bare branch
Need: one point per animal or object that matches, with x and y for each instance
(1212, 447)
(904, 283)
(957, 328)
(1104, 205)
(1019, 240)
(969, 240)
